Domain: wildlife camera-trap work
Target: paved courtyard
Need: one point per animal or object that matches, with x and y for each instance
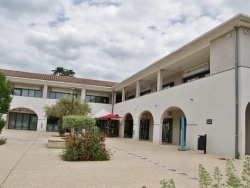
(25, 162)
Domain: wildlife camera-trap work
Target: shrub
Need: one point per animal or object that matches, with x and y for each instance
(2, 140)
(86, 147)
(2, 124)
(78, 123)
(232, 180)
(167, 183)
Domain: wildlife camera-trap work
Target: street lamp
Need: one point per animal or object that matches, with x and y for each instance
(72, 102)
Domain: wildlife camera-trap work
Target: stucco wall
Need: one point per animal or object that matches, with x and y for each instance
(244, 99)
(244, 47)
(37, 105)
(208, 98)
(222, 53)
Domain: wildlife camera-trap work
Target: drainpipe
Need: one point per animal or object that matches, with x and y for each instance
(113, 93)
(236, 91)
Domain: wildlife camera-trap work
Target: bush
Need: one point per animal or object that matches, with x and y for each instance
(233, 180)
(86, 147)
(2, 124)
(78, 123)
(2, 140)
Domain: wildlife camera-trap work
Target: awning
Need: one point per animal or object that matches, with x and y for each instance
(110, 116)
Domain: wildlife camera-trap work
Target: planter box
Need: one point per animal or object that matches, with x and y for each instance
(56, 142)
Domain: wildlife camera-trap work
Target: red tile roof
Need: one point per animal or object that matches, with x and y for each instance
(51, 77)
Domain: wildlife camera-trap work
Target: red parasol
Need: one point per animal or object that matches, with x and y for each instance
(110, 116)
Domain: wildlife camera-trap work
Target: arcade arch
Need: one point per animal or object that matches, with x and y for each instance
(22, 119)
(128, 126)
(170, 125)
(146, 126)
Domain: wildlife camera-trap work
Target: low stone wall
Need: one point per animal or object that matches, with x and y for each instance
(56, 142)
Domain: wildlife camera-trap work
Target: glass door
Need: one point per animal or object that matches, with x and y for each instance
(167, 130)
(12, 120)
(144, 129)
(25, 124)
(22, 121)
(19, 121)
(33, 122)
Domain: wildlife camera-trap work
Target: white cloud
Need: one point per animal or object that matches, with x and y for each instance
(103, 39)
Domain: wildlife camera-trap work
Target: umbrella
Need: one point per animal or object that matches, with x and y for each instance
(101, 113)
(110, 116)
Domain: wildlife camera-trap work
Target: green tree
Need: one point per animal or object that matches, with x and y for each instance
(60, 71)
(63, 107)
(5, 98)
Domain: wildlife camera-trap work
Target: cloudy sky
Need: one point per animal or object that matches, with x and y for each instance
(103, 39)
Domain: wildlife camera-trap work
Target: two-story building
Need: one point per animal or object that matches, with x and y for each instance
(205, 81)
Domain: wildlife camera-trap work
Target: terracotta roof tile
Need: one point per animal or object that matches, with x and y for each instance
(51, 77)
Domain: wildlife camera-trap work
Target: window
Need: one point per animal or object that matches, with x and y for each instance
(196, 77)
(58, 95)
(168, 85)
(131, 97)
(97, 99)
(17, 92)
(145, 92)
(27, 92)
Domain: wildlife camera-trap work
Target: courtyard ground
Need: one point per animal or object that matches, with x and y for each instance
(26, 162)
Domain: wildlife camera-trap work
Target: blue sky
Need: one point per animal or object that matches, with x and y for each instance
(103, 39)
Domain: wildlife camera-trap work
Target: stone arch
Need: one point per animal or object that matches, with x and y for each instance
(21, 118)
(128, 123)
(170, 125)
(146, 126)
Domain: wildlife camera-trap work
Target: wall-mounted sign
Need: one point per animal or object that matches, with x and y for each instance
(195, 70)
(209, 121)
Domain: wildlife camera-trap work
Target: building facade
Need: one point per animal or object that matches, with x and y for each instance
(205, 82)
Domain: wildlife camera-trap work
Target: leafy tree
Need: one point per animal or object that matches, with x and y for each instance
(60, 71)
(69, 73)
(63, 107)
(5, 98)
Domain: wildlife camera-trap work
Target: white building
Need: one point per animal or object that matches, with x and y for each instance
(205, 81)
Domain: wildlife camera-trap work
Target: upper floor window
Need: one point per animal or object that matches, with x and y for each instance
(196, 76)
(131, 97)
(168, 85)
(145, 92)
(58, 95)
(27, 92)
(97, 99)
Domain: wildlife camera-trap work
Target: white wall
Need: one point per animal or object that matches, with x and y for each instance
(37, 105)
(212, 98)
(222, 53)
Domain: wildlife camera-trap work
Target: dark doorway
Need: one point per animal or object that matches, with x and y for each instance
(128, 126)
(144, 129)
(167, 130)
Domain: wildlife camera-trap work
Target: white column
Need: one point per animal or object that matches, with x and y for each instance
(159, 80)
(114, 97)
(83, 94)
(45, 91)
(157, 134)
(123, 94)
(138, 89)
(136, 131)
(41, 124)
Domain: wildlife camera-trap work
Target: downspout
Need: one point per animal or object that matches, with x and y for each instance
(236, 91)
(113, 98)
